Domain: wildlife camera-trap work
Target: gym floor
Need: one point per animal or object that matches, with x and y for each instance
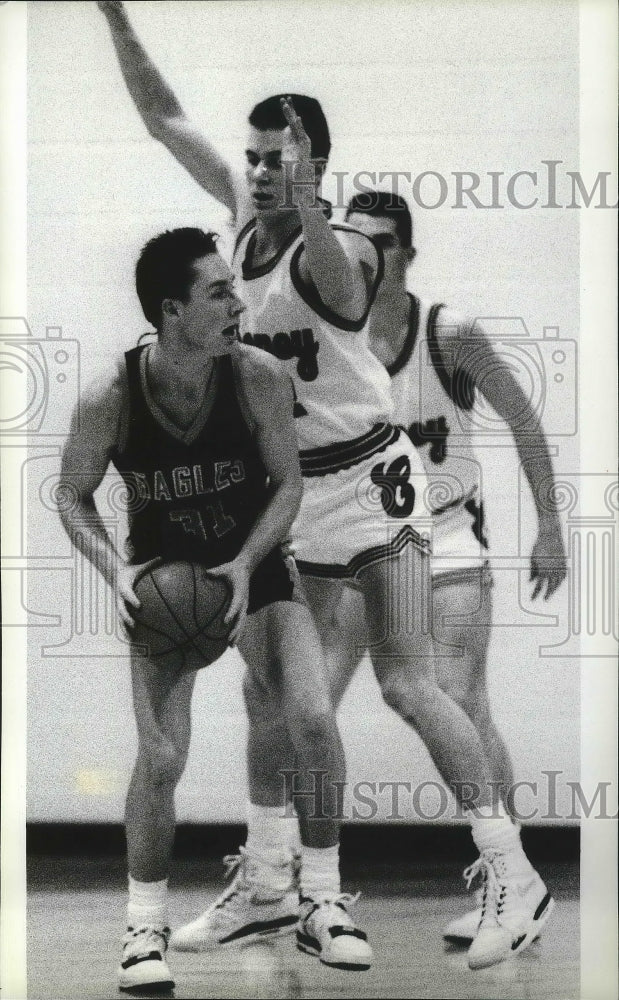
(76, 918)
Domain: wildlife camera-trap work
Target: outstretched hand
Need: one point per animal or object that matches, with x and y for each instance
(548, 560)
(297, 159)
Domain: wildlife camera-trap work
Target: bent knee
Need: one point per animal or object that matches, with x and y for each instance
(164, 761)
(471, 697)
(315, 728)
(406, 696)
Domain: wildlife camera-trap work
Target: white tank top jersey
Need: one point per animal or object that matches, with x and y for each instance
(342, 391)
(435, 409)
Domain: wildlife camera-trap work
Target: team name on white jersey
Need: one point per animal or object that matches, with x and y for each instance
(341, 388)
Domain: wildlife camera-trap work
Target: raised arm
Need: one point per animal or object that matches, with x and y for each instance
(85, 459)
(475, 355)
(342, 266)
(161, 112)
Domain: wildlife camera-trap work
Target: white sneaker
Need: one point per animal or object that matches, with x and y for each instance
(246, 911)
(326, 930)
(463, 929)
(514, 909)
(143, 965)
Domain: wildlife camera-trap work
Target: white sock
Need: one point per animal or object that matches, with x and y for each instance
(269, 833)
(320, 871)
(147, 904)
(492, 827)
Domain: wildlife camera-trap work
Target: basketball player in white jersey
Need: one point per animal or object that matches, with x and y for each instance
(434, 399)
(309, 288)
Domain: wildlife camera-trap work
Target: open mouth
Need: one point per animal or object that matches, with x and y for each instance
(231, 333)
(262, 196)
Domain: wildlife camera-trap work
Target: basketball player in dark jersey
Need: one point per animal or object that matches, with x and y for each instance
(309, 287)
(201, 429)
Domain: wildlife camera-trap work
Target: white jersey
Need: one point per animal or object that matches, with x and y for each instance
(436, 409)
(342, 391)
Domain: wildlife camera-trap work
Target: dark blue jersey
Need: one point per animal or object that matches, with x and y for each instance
(192, 494)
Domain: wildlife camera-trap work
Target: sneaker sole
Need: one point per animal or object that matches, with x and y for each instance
(345, 966)
(146, 989)
(465, 942)
(246, 935)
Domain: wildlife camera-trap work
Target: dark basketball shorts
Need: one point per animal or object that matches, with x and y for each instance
(276, 578)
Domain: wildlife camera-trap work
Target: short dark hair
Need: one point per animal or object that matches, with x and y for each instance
(165, 268)
(268, 114)
(388, 205)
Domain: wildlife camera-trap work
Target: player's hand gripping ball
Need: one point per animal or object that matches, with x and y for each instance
(182, 610)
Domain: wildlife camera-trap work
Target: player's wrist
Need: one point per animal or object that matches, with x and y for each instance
(548, 521)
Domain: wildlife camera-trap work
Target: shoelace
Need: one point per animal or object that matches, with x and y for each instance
(232, 863)
(491, 865)
(149, 938)
(343, 901)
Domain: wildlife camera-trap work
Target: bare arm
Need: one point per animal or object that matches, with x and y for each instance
(340, 265)
(269, 398)
(161, 112)
(475, 355)
(85, 459)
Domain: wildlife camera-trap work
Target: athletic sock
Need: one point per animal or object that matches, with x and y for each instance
(147, 904)
(320, 872)
(492, 827)
(269, 832)
(268, 847)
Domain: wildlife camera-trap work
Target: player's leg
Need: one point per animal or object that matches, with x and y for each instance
(290, 710)
(325, 929)
(462, 615)
(339, 613)
(162, 704)
(516, 902)
(462, 612)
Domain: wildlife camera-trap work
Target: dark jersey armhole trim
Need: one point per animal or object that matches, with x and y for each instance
(410, 340)
(133, 401)
(241, 396)
(460, 387)
(249, 272)
(310, 296)
(242, 234)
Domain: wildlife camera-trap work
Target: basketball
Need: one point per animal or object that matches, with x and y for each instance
(182, 609)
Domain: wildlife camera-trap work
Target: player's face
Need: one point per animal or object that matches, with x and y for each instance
(210, 316)
(382, 231)
(266, 180)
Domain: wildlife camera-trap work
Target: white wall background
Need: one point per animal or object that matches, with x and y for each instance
(406, 86)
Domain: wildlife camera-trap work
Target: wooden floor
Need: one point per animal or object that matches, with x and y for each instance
(74, 932)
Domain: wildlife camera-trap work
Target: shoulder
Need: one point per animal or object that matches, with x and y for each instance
(264, 386)
(253, 364)
(103, 400)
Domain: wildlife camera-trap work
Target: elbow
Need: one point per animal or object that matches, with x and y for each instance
(155, 127)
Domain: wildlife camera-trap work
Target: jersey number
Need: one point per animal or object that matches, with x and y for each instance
(432, 432)
(298, 409)
(397, 494)
(192, 523)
